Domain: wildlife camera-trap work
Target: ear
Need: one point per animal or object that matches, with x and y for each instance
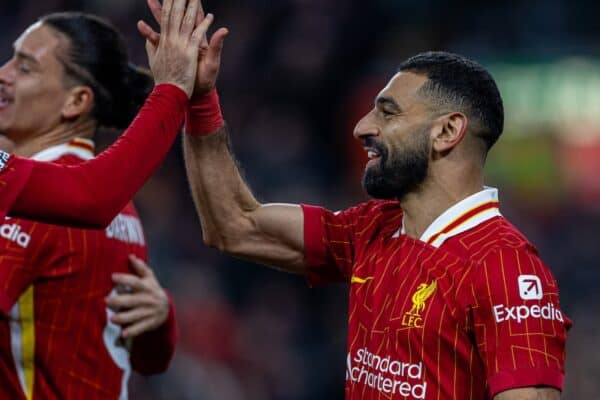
(449, 131)
(80, 101)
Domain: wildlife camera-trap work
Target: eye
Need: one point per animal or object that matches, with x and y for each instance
(386, 113)
(23, 68)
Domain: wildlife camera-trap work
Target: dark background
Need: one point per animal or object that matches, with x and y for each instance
(297, 75)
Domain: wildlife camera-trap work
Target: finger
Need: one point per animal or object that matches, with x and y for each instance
(150, 50)
(148, 33)
(140, 267)
(131, 316)
(136, 283)
(126, 301)
(165, 16)
(155, 9)
(216, 44)
(199, 18)
(189, 20)
(176, 17)
(201, 29)
(137, 328)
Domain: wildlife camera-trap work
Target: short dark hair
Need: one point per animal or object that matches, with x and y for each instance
(455, 81)
(96, 56)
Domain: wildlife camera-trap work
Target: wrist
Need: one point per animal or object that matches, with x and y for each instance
(203, 115)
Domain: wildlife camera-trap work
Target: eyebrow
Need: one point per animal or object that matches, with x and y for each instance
(383, 101)
(26, 56)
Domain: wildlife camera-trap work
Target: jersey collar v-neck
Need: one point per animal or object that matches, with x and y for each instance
(461, 217)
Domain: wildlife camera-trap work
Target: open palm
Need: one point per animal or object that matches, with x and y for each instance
(209, 55)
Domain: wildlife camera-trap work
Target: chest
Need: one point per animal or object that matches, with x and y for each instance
(403, 286)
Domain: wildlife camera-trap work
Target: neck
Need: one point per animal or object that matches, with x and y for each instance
(61, 134)
(438, 193)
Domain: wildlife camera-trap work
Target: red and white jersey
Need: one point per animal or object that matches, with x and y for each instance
(464, 312)
(56, 341)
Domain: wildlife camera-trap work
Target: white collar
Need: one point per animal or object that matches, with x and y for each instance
(462, 216)
(82, 148)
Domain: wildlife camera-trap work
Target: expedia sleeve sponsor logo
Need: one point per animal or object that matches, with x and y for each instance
(530, 288)
(4, 158)
(520, 313)
(386, 374)
(13, 233)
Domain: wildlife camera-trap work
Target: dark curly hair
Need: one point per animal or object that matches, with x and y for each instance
(459, 84)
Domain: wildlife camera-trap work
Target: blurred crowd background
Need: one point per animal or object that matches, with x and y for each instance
(296, 76)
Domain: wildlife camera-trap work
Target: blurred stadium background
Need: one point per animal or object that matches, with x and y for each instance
(296, 76)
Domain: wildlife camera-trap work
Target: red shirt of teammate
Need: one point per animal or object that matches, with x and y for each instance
(55, 337)
(466, 312)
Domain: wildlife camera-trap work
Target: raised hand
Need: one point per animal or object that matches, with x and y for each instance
(209, 52)
(173, 57)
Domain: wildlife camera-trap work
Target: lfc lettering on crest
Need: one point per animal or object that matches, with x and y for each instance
(413, 318)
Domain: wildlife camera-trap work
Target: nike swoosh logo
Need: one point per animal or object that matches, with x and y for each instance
(356, 279)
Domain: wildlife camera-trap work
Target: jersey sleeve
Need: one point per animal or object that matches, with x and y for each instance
(92, 193)
(328, 244)
(151, 352)
(519, 326)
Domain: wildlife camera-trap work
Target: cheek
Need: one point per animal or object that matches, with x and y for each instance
(37, 105)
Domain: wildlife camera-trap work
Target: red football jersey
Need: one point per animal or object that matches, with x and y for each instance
(12, 181)
(466, 311)
(56, 341)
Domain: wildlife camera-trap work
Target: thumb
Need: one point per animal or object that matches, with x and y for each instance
(216, 44)
(139, 266)
(147, 32)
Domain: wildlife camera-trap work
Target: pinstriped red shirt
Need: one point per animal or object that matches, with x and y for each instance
(56, 341)
(464, 312)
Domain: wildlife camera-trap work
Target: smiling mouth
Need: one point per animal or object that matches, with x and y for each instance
(4, 101)
(372, 153)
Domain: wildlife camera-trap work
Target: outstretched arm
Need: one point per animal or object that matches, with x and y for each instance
(91, 194)
(231, 217)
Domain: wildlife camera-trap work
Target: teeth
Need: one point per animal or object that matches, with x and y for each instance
(372, 154)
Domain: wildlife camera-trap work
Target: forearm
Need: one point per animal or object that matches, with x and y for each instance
(223, 200)
(531, 393)
(232, 219)
(92, 193)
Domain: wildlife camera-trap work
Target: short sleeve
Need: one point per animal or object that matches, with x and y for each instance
(519, 326)
(328, 244)
(14, 173)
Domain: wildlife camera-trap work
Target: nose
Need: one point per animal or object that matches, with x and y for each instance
(366, 127)
(7, 75)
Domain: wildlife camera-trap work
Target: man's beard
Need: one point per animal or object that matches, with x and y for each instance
(399, 174)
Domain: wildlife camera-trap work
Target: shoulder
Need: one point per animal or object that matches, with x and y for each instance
(510, 257)
(489, 238)
(375, 209)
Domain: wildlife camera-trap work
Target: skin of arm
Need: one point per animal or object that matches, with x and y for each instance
(530, 393)
(232, 220)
